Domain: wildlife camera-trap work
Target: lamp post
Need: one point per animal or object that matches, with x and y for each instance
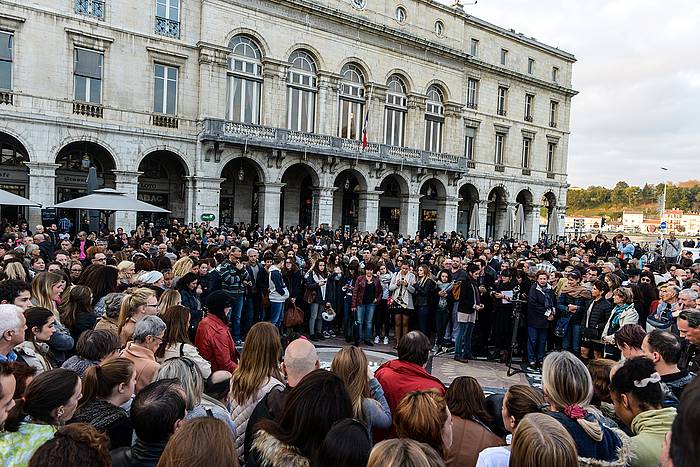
(662, 214)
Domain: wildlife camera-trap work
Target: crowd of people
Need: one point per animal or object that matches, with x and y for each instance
(194, 345)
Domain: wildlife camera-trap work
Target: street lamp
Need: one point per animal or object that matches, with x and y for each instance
(662, 215)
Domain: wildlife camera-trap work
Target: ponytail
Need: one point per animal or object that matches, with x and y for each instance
(133, 298)
(100, 380)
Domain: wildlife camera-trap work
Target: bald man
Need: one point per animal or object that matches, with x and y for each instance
(300, 359)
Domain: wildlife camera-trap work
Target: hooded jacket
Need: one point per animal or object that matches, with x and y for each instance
(649, 430)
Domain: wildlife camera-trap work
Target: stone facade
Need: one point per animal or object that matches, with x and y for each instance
(199, 159)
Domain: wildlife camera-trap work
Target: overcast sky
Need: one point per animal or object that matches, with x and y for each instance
(638, 77)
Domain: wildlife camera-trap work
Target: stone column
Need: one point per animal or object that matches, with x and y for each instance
(368, 219)
(127, 183)
(375, 103)
(501, 220)
(42, 188)
(447, 214)
(415, 122)
(322, 209)
(189, 199)
(213, 63)
(290, 215)
(269, 204)
(273, 110)
(327, 104)
(532, 222)
(207, 195)
(483, 207)
(410, 210)
(453, 137)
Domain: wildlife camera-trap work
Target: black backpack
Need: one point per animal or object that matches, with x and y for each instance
(638, 252)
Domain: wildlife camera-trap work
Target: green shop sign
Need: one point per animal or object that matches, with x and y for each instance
(207, 217)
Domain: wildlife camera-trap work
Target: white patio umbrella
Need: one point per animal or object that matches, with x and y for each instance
(474, 221)
(109, 200)
(510, 219)
(520, 222)
(553, 225)
(11, 199)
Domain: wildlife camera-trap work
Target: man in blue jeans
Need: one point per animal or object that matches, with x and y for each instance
(231, 277)
(366, 294)
(469, 305)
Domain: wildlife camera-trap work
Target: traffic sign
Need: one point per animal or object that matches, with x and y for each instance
(663, 225)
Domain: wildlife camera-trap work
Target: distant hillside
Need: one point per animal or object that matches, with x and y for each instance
(610, 202)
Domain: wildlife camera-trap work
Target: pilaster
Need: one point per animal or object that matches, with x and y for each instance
(128, 183)
(322, 207)
(368, 219)
(269, 204)
(410, 208)
(42, 188)
(447, 214)
(207, 194)
(274, 95)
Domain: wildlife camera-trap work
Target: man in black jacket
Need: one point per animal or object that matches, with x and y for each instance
(157, 412)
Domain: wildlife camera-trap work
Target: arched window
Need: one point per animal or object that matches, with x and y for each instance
(244, 80)
(301, 101)
(395, 111)
(434, 119)
(352, 102)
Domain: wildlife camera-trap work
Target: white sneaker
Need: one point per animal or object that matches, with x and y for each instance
(386, 340)
(376, 339)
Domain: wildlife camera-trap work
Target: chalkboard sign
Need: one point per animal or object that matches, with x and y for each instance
(48, 216)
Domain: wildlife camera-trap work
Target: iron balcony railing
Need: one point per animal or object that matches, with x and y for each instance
(280, 138)
(94, 8)
(167, 27)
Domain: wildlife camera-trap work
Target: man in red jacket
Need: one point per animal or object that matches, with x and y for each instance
(407, 374)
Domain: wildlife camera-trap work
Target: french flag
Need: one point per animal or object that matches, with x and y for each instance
(364, 131)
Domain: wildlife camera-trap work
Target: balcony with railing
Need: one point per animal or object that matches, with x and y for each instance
(553, 124)
(526, 171)
(87, 109)
(550, 175)
(223, 131)
(502, 112)
(528, 118)
(472, 105)
(6, 98)
(166, 121)
(167, 27)
(499, 168)
(94, 8)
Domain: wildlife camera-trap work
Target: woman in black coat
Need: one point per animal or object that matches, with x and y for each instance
(596, 315)
(540, 311)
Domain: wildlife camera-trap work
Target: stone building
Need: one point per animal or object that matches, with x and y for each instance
(354, 113)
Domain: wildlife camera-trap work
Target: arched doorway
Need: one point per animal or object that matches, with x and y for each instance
(296, 206)
(496, 213)
(432, 192)
(394, 189)
(468, 206)
(14, 175)
(524, 199)
(163, 184)
(75, 160)
(346, 200)
(239, 192)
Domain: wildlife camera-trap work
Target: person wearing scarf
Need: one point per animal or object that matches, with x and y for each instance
(623, 313)
(540, 311)
(572, 307)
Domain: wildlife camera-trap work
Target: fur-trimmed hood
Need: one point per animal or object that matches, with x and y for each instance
(271, 452)
(624, 454)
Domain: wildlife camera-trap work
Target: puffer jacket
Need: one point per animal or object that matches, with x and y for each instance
(268, 451)
(241, 411)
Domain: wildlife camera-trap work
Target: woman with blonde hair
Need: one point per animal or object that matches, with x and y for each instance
(181, 267)
(169, 299)
(136, 304)
(568, 388)
(257, 374)
(126, 269)
(47, 291)
(366, 394)
(540, 441)
(14, 270)
(202, 441)
(424, 416)
(404, 453)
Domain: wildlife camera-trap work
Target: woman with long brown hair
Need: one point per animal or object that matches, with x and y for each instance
(177, 343)
(366, 394)
(470, 434)
(47, 291)
(106, 387)
(201, 441)
(257, 374)
(76, 311)
(424, 416)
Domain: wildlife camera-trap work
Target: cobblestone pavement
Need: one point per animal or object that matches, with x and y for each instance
(492, 376)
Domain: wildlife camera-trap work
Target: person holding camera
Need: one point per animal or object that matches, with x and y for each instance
(402, 287)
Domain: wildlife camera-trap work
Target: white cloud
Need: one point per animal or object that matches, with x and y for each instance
(638, 77)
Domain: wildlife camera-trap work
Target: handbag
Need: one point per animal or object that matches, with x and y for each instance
(293, 316)
(593, 333)
(562, 326)
(310, 296)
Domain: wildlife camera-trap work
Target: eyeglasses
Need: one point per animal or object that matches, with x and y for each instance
(645, 279)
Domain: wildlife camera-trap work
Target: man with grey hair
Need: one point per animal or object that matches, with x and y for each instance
(300, 359)
(256, 284)
(686, 300)
(12, 327)
(46, 248)
(147, 337)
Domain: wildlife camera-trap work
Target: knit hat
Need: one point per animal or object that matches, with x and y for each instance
(151, 277)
